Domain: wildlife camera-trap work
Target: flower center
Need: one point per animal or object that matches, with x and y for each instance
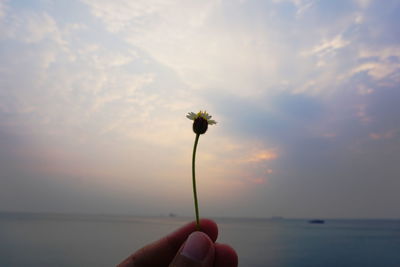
(200, 125)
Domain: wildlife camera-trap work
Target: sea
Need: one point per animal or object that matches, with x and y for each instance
(29, 239)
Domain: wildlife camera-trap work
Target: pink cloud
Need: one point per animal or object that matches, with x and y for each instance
(383, 135)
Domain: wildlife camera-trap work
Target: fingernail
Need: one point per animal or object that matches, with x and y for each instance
(197, 246)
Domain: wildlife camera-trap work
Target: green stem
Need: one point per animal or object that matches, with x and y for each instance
(196, 205)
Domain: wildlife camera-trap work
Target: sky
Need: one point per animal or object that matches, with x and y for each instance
(94, 94)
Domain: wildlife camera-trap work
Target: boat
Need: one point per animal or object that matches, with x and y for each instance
(317, 221)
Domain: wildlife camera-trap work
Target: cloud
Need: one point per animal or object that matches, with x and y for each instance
(192, 40)
(301, 5)
(30, 27)
(363, 3)
(263, 156)
(379, 64)
(383, 135)
(3, 9)
(328, 46)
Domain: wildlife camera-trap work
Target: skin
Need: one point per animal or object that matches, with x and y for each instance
(163, 251)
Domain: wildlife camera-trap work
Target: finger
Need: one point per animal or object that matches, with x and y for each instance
(197, 251)
(225, 256)
(164, 250)
(179, 236)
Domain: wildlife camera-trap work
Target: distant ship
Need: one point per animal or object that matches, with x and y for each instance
(276, 218)
(317, 221)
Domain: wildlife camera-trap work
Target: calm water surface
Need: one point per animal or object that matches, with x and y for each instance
(98, 240)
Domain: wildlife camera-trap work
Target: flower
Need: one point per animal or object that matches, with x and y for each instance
(201, 120)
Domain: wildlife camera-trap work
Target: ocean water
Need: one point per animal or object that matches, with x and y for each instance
(101, 240)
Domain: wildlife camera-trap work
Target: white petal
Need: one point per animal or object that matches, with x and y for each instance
(211, 122)
(191, 115)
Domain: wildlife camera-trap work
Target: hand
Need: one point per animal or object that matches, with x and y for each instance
(186, 247)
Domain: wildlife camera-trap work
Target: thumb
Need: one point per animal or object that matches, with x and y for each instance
(197, 251)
